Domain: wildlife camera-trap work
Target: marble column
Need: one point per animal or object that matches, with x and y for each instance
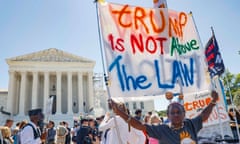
(35, 90)
(69, 79)
(11, 91)
(22, 93)
(90, 90)
(46, 90)
(80, 92)
(59, 93)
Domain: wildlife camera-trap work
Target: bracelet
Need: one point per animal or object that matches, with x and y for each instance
(129, 118)
(214, 103)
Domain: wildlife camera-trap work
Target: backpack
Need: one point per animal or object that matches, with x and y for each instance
(18, 135)
(61, 130)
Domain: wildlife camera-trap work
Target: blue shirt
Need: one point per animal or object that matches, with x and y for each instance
(167, 135)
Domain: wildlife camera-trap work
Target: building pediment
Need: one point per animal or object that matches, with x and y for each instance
(50, 55)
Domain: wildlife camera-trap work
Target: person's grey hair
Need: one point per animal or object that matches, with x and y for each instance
(175, 104)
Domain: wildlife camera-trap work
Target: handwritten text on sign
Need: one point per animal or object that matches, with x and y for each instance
(150, 51)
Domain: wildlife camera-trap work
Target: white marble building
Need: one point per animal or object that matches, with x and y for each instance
(67, 78)
(35, 77)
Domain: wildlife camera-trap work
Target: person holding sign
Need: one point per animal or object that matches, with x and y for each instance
(120, 132)
(179, 130)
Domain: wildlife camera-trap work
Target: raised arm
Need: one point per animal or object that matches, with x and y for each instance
(106, 123)
(132, 121)
(207, 111)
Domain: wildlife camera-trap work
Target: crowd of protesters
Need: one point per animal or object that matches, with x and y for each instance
(87, 130)
(119, 127)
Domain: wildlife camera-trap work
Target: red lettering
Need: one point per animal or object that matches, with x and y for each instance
(217, 114)
(187, 106)
(177, 25)
(197, 104)
(139, 16)
(152, 45)
(210, 57)
(182, 22)
(161, 40)
(150, 39)
(154, 25)
(210, 48)
(119, 43)
(123, 12)
(173, 24)
(138, 42)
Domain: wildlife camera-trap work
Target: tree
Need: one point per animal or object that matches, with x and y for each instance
(236, 99)
(162, 113)
(231, 84)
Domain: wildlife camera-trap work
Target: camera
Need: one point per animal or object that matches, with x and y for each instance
(87, 140)
(91, 136)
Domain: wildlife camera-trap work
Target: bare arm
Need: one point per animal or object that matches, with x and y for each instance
(207, 111)
(132, 121)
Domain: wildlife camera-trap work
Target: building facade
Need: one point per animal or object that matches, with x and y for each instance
(62, 84)
(34, 78)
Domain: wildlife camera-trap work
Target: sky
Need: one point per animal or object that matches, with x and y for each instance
(28, 26)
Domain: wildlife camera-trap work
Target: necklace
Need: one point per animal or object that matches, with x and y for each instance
(176, 127)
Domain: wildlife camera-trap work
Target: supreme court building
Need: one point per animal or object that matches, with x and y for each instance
(62, 84)
(52, 73)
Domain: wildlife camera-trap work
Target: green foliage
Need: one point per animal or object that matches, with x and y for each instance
(231, 84)
(236, 99)
(162, 113)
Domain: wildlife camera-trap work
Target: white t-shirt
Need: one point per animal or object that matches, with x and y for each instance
(122, 136)
(27, 135)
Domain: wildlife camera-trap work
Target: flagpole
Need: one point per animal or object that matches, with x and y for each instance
(219, 119)
(200, 41)
(191, 14)
(101, 47)
(213, 86)
(106, 78)
(217, 108)
(228, 88)
(213, 35)
(162, 4)
(212, 31)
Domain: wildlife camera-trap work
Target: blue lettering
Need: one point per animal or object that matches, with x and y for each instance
(180, 71)
(158, 77)
(116, 63)
(125, 80)
(188, 76)
(176, 72)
